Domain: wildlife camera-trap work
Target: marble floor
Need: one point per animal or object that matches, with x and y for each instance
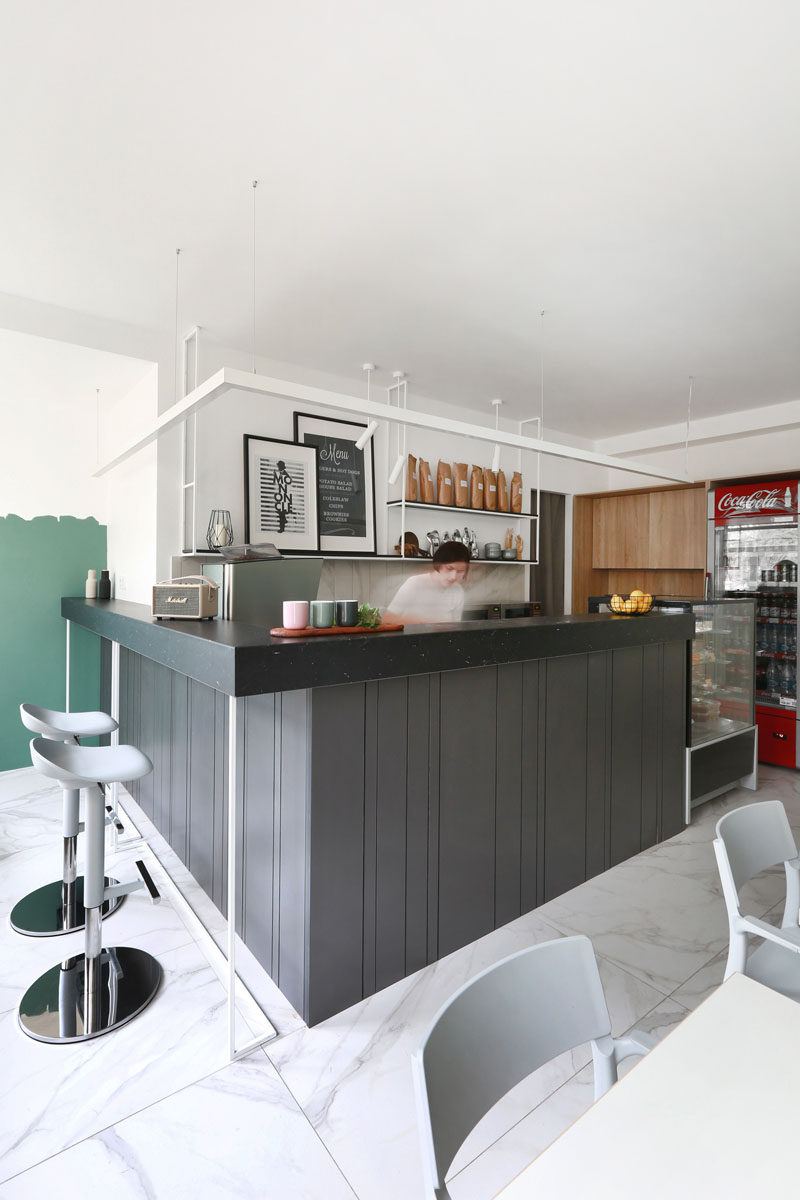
(155, 1110)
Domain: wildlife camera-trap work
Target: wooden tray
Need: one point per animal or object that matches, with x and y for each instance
(311, 631)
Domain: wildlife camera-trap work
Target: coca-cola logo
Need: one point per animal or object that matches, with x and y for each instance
(756, 501)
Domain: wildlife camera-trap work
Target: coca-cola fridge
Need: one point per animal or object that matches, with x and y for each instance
(755, 553)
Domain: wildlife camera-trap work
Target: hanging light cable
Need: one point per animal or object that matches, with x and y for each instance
(177, 294)
(688, 424)
(253, 332)
(496, 456)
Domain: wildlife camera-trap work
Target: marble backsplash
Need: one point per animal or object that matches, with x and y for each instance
(375, 583)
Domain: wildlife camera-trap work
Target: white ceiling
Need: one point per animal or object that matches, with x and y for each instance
(431, 176)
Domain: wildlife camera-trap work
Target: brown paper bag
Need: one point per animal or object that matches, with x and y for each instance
(516, 492)
(426, 490)
(476, 488)
(489, 490)
(411, 479)
(444, 481)
(502, 492)
(461, 485)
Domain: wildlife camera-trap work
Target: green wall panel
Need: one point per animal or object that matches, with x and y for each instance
(44, 559)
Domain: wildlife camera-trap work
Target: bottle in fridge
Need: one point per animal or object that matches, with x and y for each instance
(756, 553)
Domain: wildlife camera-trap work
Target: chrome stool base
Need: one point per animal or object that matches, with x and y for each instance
(52, 1009)
(41, 913)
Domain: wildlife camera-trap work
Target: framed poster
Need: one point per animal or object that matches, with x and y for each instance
(281, 502)
(346, 483)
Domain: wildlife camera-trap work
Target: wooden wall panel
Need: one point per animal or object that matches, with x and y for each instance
(392, 807)
(621, 531)
(336, 861)
(417, 823)
(627, 753)
(385, 824)
(599, 700)
(566, 722)
(678, 530)
(468, 766)
(508, 794)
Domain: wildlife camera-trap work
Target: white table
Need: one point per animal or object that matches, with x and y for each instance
(712, 1111)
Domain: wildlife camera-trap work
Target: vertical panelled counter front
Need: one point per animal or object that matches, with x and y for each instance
(400, 795)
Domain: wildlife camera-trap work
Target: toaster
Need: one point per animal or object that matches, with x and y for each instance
(192, 597)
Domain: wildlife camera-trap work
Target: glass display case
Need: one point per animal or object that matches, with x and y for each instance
(722, 685)
(722, 748)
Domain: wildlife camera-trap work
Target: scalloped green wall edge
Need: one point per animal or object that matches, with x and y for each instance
(42, 560)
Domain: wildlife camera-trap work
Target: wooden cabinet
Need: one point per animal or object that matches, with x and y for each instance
(621, 531)
(653, 539)
(651, 530)
(678, 530)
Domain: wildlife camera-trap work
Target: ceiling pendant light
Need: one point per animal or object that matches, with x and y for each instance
(366, 435)
(400, 387)
(369, 432)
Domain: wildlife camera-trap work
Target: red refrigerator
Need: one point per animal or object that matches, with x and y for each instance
(755, 553)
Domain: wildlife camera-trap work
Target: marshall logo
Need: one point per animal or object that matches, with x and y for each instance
(777, 500)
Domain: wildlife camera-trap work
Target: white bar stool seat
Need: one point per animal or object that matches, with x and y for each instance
(57, 907)
(51, 723)
(101, 989)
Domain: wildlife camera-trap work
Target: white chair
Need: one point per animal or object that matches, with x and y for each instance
(499, 1028)
(750, 840)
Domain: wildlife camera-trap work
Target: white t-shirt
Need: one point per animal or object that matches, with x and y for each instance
(425, 599)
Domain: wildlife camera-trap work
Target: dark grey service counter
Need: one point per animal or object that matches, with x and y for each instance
(401, 794)
(243, 660)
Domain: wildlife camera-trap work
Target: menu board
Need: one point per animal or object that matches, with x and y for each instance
(346, 487)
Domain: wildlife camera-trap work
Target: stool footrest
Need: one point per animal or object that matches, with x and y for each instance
(113, 819)
(147, 878)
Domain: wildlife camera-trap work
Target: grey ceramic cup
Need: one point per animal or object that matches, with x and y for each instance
(346, 612)
(322, 612)
(492, 549)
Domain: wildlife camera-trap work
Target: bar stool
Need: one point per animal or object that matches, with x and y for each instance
(57, 907)
(101, 989)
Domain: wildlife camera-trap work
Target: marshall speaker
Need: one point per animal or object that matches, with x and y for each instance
(191, 597)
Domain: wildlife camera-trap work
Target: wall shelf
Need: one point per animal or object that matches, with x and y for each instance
(479, 512)
(368, 558)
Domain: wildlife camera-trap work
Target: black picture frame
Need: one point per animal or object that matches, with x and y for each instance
(294, 529)
(346, 483)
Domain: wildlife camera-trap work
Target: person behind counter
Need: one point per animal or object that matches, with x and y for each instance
(438, 595)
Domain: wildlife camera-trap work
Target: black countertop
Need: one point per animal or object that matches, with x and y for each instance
(243, 660)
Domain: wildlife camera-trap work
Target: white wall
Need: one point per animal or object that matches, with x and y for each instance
(757, 453)
(49, 405)
(132, 491)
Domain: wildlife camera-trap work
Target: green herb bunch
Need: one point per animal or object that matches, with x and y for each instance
(369, 618)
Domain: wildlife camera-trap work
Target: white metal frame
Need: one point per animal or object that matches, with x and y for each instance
(189, 375)
(235, 705)
(228, 379)
(235, 708)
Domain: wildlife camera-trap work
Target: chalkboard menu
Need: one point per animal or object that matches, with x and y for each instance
(346, 483)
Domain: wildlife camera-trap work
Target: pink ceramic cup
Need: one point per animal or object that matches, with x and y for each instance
(295, 614)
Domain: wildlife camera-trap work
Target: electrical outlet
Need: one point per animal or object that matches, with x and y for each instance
(122, 585)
